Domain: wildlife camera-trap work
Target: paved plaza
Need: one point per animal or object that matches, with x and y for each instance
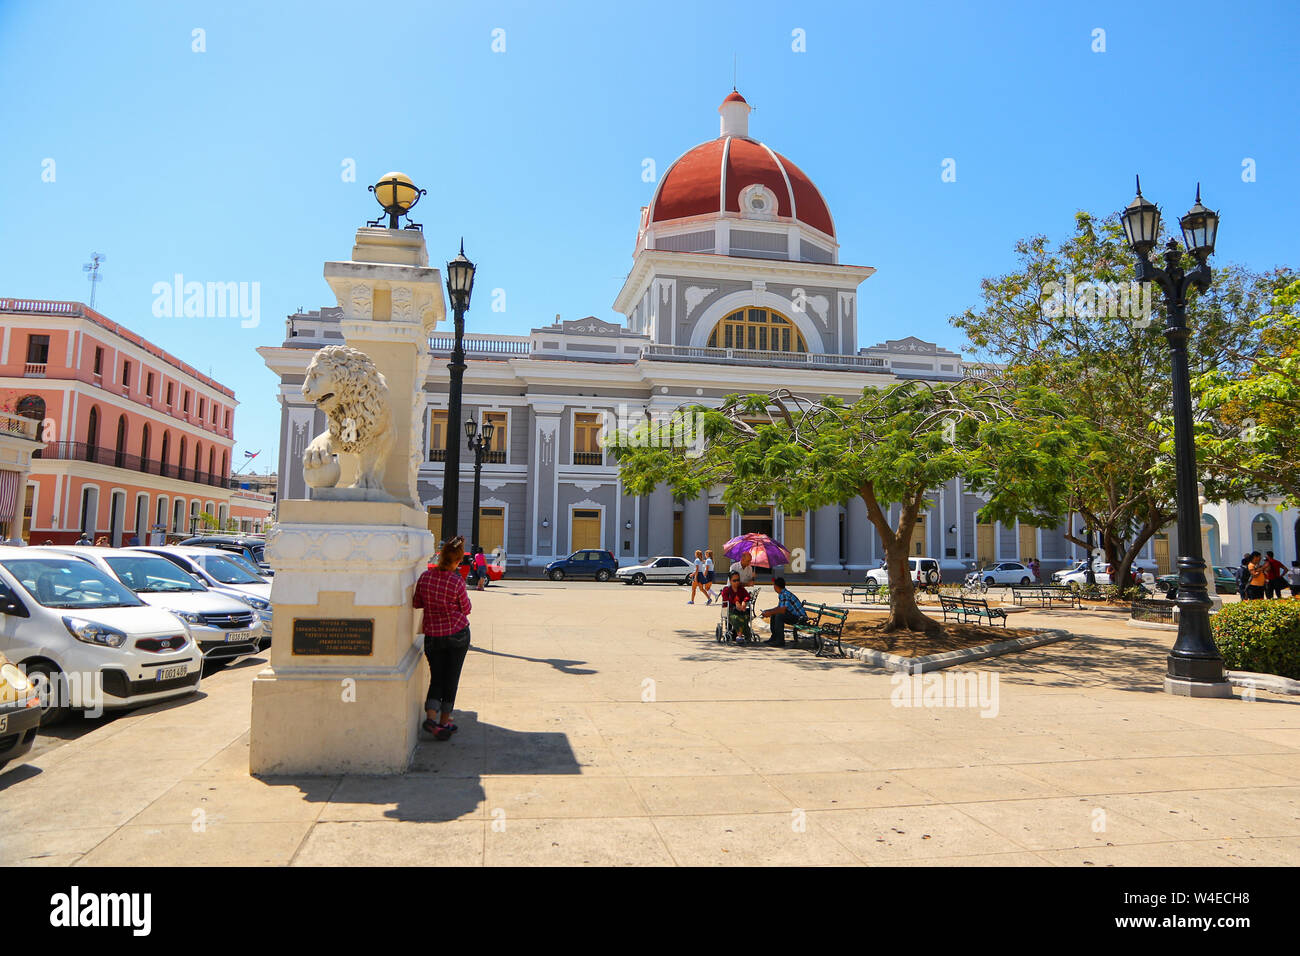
(603, 725)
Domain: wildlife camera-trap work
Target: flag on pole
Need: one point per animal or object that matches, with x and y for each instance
(252, 454)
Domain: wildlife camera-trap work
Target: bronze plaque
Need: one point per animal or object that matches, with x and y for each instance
(333, 637)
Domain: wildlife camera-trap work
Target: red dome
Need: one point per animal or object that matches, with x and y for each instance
(700, 184)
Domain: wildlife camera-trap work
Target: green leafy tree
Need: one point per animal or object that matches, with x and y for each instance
(1250, 442)
(1072, 319)
(892, 446)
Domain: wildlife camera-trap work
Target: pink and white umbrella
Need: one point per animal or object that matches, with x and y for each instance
(764, 552)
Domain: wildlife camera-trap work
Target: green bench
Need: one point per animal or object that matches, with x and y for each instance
(871, 592)
(963, 609)
(824, 626)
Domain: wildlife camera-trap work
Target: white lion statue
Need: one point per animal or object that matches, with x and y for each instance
(345, 384)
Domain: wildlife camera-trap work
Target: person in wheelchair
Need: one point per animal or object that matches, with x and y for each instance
(737, 599)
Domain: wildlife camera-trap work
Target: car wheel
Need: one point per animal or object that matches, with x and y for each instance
(557, 575)
(989, 582)
(50, 686)
(687, 580)
(1024, 581)
(638, 578)
(603, 575)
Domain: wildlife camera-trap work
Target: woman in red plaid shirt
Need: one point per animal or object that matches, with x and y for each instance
(441, 592)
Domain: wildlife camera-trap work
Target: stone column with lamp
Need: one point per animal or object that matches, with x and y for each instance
(344, 691)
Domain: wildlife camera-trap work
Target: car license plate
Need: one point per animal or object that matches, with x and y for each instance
(171, 673)
(234, 636)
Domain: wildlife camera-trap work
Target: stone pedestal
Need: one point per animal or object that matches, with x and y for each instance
(342, 712)
(345, 689)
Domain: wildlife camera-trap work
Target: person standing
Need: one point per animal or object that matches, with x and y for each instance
(788, 610)
(1034, 566)
(1276, 576)
(1256, 577)
(745, 568)
(480, 568)
(1293, 579)
(442, 594)
(697, 578)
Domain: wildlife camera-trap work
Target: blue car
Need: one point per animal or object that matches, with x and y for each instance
(587, 563)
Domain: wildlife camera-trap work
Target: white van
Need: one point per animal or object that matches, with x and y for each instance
(923, 571)
(86, 640)
(226, 628)
(215, 569)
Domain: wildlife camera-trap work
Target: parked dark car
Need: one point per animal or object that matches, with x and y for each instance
(1224, 583)
(587, 563)
(252, 549)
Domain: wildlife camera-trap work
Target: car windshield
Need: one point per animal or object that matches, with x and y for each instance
(69, 583)
(244, 563)
(147, 574)
(226, 571)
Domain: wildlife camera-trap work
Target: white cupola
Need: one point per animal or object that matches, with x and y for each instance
(735, 116)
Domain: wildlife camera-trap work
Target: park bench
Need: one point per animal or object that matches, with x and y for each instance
(870, 592)
(963, 609)
(1045, 595)
(824, 624)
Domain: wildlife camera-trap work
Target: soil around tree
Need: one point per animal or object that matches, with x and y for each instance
(866, 629)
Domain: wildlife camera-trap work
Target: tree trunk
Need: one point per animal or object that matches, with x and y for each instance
(904, 614)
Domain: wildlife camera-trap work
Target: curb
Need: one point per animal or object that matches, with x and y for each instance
(1273, 683)
(934, 662)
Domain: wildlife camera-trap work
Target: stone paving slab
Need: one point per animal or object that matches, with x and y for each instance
(604, 725)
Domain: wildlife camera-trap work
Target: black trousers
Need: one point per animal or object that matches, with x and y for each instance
(778, 622)
(446, 657)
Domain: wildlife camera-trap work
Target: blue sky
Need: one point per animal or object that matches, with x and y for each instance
(226, 165)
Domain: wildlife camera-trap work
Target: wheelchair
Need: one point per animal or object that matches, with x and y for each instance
(725, 632)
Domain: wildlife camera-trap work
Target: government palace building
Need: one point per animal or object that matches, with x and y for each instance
(736, 285)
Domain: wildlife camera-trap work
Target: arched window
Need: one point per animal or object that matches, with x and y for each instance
(31, 406)
(212, 460)
(166, 447)
(198, 453)
(119, 447)
(759, 329)
(180, 460)
(92, 435)
(144, 446)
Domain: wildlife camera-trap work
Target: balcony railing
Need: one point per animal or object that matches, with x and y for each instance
(494, 457)
(81, 451)
(500, 345)
(670, 353)
(11, 424)
(588, 458)
(34, 369)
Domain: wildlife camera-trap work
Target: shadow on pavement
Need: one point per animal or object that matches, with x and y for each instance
(561, 665)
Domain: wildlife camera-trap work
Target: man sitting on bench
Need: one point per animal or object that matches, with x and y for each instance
(788, 610)
(736, 598)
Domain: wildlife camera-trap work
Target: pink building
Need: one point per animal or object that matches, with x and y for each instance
(136, 442)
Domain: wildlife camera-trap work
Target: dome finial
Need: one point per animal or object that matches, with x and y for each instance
(735, 115)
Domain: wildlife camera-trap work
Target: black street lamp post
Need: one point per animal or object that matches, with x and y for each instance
(479, 442)
(1195, 668)
(460, 285)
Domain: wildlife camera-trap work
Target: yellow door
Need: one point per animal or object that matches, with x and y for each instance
(918, 537)
(719, 534)
(491, 529)
(794, 535)
(584, 530)
(984, 543)
(1161, 548)
(1028, 542)
(435, 522)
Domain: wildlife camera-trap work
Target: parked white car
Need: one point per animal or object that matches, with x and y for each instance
(216, 571)
(1007, 573)
(85, 640)
(668, 569)
(922, 570)
(225, 627)
(1077, 576)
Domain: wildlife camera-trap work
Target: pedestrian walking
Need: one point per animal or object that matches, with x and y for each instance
(480, 569)
(697, 578)
(708, 575)
(1293, 579)
(442, 594)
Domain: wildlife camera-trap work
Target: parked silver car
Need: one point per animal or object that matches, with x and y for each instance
(667, 569)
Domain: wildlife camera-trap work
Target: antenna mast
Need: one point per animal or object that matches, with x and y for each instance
(91, 269)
